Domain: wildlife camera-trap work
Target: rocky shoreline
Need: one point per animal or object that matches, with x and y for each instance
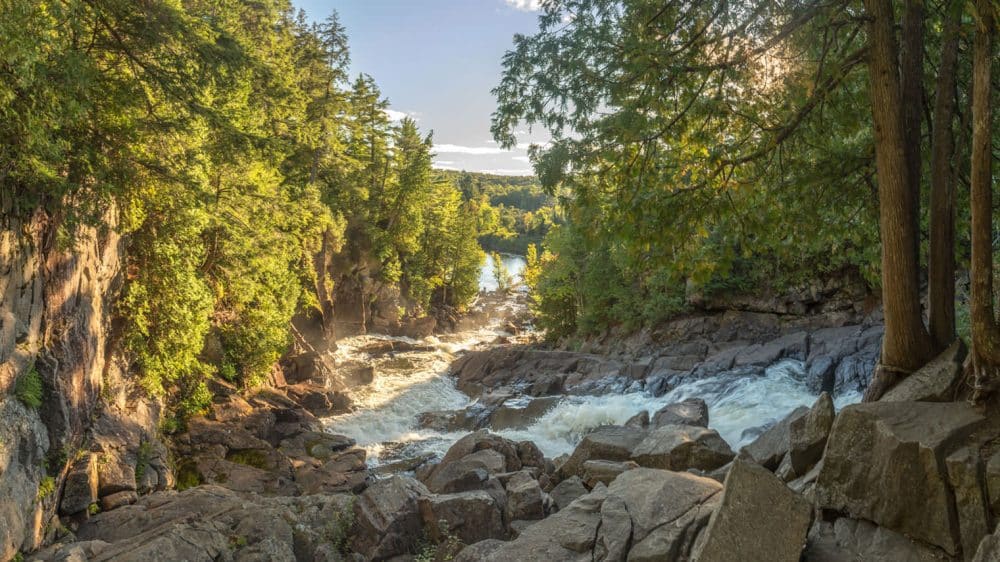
(912, 477)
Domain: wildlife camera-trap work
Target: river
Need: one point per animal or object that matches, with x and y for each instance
(412, 382)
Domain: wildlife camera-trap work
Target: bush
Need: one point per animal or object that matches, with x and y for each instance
(28, 388)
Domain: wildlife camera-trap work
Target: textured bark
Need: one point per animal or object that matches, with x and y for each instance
(985, 330)
(907, 344)
(912, 85)
(941, 264)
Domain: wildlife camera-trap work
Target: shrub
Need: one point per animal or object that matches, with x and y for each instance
(28, 388)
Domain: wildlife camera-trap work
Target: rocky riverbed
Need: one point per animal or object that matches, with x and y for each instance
(722, 436)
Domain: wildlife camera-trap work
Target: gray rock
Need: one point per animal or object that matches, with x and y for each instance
(668, 510)
(567, 491)
(965, 475)
(680, 447)
(884, 463)
(772, 445)
(807, 435)
(992, 477)
(791, 346)
(530, 455)
(758, 518)
(118, 499)
(80, 489)
(208, 523)
(693, 411)
(568, 535)
(387, 520)
(519, 413)
(524, 497)
(615, 533)
(849, 539)
(610, 442)
(469, 516)
(478, 551)
(600, 471)
(639, 421)
(935, 381)
(821, 374)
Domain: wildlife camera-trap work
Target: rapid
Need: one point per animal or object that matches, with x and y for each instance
(415, 380)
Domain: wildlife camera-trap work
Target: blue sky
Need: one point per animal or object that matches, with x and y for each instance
(437, 60)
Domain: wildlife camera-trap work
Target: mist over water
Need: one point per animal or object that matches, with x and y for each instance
(409, 383)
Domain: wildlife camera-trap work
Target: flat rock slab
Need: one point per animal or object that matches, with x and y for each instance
(680, 447)
(885, 462)
(849, 539)
(758, 518)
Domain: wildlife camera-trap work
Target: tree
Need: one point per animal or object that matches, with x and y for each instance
(906, 345)
(500, 273)
(941, 263)
(985, 359)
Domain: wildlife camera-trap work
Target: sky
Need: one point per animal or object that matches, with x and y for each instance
(436, 61)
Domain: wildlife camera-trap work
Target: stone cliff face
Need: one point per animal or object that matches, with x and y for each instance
(55, 309)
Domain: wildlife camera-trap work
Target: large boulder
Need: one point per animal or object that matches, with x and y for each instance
(680, 447)
(208, 523)
(80, 488)
(772, 445)
(610, 442)
(667, 511)
(387, 519)
(468, 516)
(885, 462)
(645, 515)
(567, 491)
(965, 476)
(758, 518)
(568, 535)
(807, 435)
(934, 382)
(524, 497)
(692, 411)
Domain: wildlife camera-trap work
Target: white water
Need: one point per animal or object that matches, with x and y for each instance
(410, 383)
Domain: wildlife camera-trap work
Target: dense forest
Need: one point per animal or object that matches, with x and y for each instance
(227, 143)
(516, 212)
(731, 155)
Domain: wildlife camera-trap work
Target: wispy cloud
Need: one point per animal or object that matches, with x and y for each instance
(398, 115)
(522, 159)
(444, 165)
(509, 172)
(525, 5)
(459, 149)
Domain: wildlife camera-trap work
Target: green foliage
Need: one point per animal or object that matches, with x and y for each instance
(93, 509)
(514, 211)
(500, 273)
(685, 163)
(29, 388)
(187, 475)
(224, 140)
(46, 487)
(249, 457)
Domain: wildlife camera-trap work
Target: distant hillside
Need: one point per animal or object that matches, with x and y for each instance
(520, 211)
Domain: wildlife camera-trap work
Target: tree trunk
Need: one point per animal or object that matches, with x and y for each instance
(941, 264)
(912, 84)
(906, 345)
(985, 330)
